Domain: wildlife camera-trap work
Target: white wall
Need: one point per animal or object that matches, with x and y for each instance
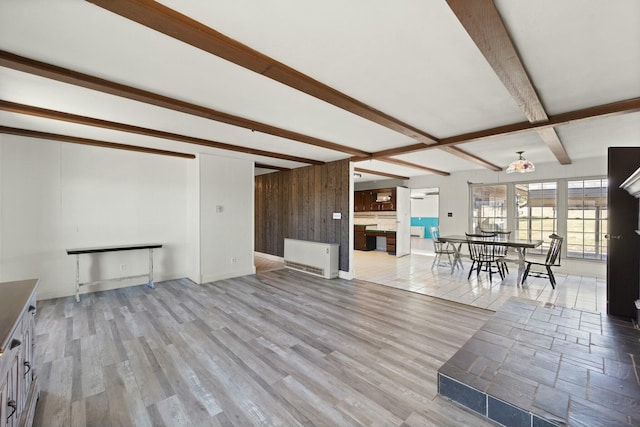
(193, 221)
(56, 196)
(454, 198)
(426, 207)
(226, 217)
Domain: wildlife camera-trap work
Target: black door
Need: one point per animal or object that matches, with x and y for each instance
(623, 261)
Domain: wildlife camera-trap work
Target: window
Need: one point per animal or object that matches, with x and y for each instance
(573, 208)
(587, 219)
(489, 207)
(536, 212)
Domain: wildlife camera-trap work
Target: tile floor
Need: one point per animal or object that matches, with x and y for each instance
(542, 365)
(413, 272)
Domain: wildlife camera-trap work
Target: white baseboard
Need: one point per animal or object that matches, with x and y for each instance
(102, 286)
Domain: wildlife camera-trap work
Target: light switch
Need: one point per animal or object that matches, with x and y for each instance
(219, 208)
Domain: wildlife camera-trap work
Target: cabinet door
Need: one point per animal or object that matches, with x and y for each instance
(3, 401)
(11, 401)
(5, 409)
(360, 198)
(26, 362)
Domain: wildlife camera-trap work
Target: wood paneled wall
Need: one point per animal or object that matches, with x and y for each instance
(299, 204)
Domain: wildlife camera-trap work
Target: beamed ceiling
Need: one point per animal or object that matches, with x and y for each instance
(402, 88)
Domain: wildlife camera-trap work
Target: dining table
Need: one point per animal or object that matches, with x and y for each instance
(520, 245)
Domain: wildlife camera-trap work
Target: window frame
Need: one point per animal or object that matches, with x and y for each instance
(562, 211)
(600, 244)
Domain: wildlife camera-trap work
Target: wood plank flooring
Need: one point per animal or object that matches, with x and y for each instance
(276, 349)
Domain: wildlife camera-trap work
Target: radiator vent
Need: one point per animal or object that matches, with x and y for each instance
(320, 259)
(304, 267)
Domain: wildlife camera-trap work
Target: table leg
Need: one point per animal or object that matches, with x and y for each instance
(77, 278)
(457, 259)
(521, 254)
(150, 284)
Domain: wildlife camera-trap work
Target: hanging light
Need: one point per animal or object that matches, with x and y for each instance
(521, 165)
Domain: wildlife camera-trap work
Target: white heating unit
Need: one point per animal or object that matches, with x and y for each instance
(417, 231)
(320, 259)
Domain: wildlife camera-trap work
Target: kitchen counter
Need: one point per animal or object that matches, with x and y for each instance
(365, 238)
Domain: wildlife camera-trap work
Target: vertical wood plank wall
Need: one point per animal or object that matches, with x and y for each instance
(299, 204)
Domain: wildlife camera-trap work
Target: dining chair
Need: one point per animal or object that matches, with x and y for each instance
(483, 254)
(443, 248)
(552, 260)
(502, 249)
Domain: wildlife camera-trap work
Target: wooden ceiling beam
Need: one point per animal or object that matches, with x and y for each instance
(167, 21)
(122, 127)
(414, 166)
(42, 69)
(472, 158)
(388, 175)
(65, 75)
(407, 149)
(455, 151)
(486, 28)
(601, 111)
(271, 167)
(93, 142)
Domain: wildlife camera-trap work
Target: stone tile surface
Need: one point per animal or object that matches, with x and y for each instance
(537, 364)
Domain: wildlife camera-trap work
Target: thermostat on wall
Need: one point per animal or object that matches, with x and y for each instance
(337, 215)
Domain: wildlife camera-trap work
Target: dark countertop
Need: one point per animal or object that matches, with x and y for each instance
(113, 248)
(381, 231)
(15, 296)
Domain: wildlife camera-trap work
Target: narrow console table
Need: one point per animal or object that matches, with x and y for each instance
(100, 249)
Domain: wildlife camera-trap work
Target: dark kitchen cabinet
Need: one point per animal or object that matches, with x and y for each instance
(383, 199)
(362, 201)
(362, 242)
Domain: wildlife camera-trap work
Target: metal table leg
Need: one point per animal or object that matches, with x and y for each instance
(77, 278)
(457, 258)
(521, 254)
(150, 284)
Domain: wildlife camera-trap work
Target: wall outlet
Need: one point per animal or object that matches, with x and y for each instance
(123, 267)
(234, 260)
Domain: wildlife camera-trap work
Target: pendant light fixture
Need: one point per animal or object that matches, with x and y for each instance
(521, 165)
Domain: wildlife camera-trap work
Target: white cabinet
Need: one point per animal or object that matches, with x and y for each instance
(18, 381)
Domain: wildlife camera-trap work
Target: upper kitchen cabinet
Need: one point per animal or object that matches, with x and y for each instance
(383, 199)
(362, 200)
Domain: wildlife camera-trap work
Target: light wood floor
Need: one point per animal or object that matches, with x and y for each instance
(279, 348)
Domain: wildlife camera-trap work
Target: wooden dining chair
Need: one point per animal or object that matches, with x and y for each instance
(483, 254)
(442, 248)
(552, 260)
(502, 249)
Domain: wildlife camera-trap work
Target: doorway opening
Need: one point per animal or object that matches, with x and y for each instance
(424, 214)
